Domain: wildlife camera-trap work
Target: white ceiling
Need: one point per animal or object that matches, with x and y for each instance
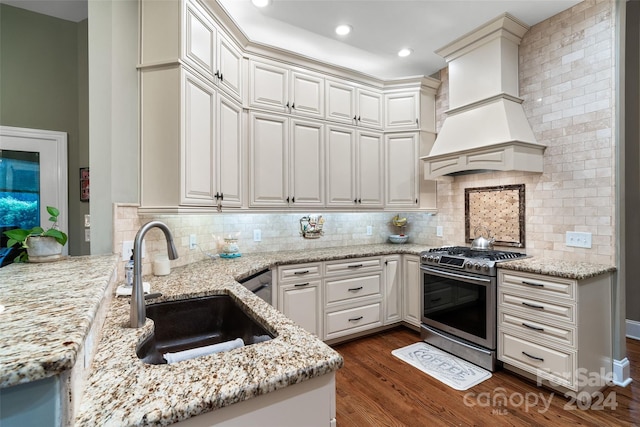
(380, 27)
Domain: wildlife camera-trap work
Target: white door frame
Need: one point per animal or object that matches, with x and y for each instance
(52, 146)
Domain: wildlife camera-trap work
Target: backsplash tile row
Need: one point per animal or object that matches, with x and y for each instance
(280, 231)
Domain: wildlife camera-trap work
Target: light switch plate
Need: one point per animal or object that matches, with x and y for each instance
(439, 231)
(578, 240)
(87, 221)
(369, 230)
(257, 235)
(127, 249)
(192, 241)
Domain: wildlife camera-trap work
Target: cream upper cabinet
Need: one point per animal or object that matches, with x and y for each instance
(402, 110)
(191, 142)
(183, 30)
(347, 103)
(411, 289)
(401, 167)
(286, 161)
(278, 88)
(354, 167)
(341, 165)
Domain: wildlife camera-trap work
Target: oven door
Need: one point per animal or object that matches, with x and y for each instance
(460, 303)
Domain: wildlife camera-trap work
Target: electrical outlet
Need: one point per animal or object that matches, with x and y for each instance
(257, 235)
(578, 239)
(192, 241)
(87, 235)
(87, 221)
(439, 231)
(369, 230)
(127, 250)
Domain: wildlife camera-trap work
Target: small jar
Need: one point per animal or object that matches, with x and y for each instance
(230, 245)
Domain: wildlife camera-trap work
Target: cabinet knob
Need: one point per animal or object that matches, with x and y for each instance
(217, 74)
(355, 118)
(293, 199)
(287, 104)
(358, 118)
(293, 105)
(287, 199)
(221, 77)
(221, 196)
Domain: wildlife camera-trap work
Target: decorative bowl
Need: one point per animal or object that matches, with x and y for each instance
(398, 238)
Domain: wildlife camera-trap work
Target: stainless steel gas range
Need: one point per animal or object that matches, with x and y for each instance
(458, 307)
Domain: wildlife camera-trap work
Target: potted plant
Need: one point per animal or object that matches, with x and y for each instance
(38, 244)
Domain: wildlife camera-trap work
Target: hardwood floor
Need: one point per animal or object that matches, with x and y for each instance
(375, 388)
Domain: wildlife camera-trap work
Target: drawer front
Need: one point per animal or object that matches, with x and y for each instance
(542, 286)
(297, 272)
(352, 320)
(356, 265)
(340, 290)
(537, 308)
(528, 326)
(554, 365)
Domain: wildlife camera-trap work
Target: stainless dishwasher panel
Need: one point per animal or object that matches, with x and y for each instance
(259, 284)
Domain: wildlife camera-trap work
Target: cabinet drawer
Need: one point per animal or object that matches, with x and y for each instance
(299, 271)
(537, 329)
(356, 265)
(352, 320)
(542, 286)
(554, 365)
(537, 308)
(338, 290)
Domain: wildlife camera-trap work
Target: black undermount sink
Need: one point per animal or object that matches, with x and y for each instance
(197, 322)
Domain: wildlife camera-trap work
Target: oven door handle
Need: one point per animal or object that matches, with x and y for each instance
(454, 275)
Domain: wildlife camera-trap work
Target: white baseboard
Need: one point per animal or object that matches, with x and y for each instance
(621, 372)
(633, 329)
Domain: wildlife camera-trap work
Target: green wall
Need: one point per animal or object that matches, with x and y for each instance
(44, 85)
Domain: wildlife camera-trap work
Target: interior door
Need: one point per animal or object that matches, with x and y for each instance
(33, 175)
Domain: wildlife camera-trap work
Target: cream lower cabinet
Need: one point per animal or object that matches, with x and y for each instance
(286, 161)
(299, 295)
(411, 289)
(556, 330)
(354, 167)
(401, 168)
(392, 289)
(190, 141)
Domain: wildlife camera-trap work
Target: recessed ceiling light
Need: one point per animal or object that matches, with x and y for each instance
(260, 3)
(405, 52)
(343, 30)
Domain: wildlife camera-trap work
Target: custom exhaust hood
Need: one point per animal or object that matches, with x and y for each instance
(485, 127)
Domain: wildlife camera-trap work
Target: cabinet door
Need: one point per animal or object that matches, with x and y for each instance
(392, 289)
(340, 102)
(401, 167)
(307, 95)
(229, 67)
(411, 289)
(230, 160)
(307, 163)
(268, 160)
(341, 153)
(199, 40)
(269, 86)
(401, 110)
(300, 302)
(370, 169)
(369, 108)
(198, 154)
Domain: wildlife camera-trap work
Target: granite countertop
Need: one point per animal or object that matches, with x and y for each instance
(554, 267)
(122, 390)
(48, 312)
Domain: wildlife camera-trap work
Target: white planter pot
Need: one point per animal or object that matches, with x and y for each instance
(43, 249)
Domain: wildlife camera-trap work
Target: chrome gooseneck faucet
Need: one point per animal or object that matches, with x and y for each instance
(138, 314)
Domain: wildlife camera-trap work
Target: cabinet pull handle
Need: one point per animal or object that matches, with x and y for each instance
(287, 199)
(355, 319)
(293, 105)
(354, 266)
(301, 272)
(539, 307)
(537, 285)
(217, 196)
(287, 104)
(299, 285)
(358, 118)
(217, 74)
(355, 289)
(355, 118)
(535, 328)
(221, 196)
(533, 357)
(417, 123)
(221, 77)
(359, 200)
(293, 199)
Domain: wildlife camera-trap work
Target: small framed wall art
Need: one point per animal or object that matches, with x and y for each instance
(84, 184)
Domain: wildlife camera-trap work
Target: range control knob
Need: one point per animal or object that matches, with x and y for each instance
(469, 265)
(436, 258)
(485, 267)
(430, 258)
(477, 265)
